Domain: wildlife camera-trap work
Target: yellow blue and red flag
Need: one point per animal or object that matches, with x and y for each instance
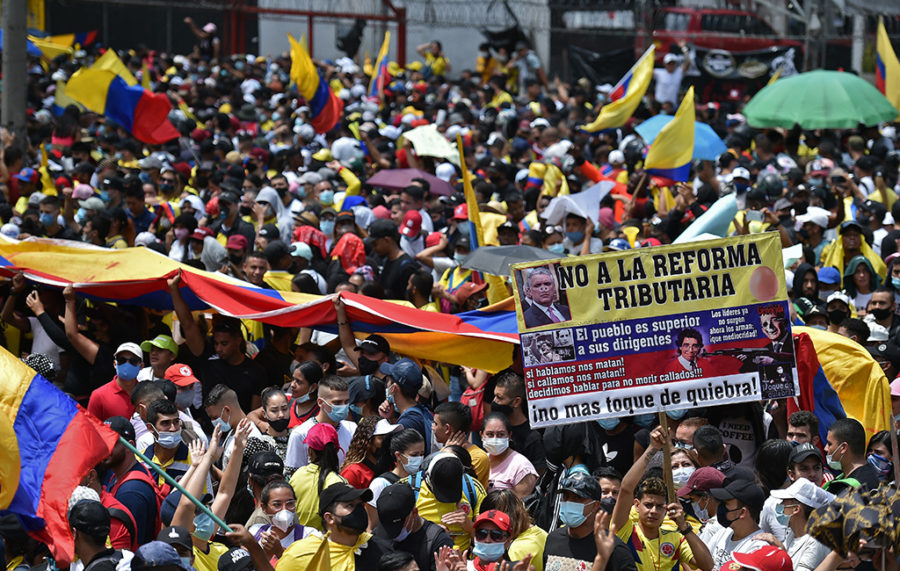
(47, 445)
(324, 106)
(380, 74)
(887, 68)
(625, 96)
(669, 157)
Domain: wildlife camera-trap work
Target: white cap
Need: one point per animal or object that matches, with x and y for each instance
(806, 493)
(390, 132)
(816, 215)
(616, 157)
(132, 348)
(740, 172)
(383, 426)
(539, 122)
(301, 250)
(445, 171)
(670, 58)
(877, 332)
(840, 296)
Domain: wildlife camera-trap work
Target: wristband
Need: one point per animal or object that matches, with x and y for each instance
(687, 530)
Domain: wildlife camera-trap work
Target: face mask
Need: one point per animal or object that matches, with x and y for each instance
(489, 551)
(166, 188)
(882, 464)
(680, 475)
(186, 561)
(183, 399)
(572, 514)
(245, 210)
(460, 258)
(236, 259)
(327, 227)
(390, 399)
(837, 316)
(435, 445)
(816, 181)
(204, 527)
(404, 533)
(357, 520)
(495, 446)
(780, 515)
(145, 178)
(303, 398)
(338, 413)
(832, 463)
(279, 425)
(47, 220)
(895, 282)
(575, 237)
(700, 513)
(557, 248)
(412, 464)
(283, 520)
(645, 420)
(722, 516)
(169, 440)
(881, 313)
(357, 410)
(608, 423)
(367, 366)
(181, 233)
(505, 409)
(676, 414)
(741, 187)
(127, 371)
(326, 197)
(223, 426)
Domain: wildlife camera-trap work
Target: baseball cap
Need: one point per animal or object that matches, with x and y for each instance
(269, 232)
(150, 162)
(365, 388)
(181, 375)
(804, 451)
(160, 342)
(266, 463)
(850, 224)
(412, 224)
(740, 172)
(816, 215)
(384, 426)
(276, 250)
(301, 250)
(92, 203)
(374, 344)
(806, 493)
(445, 171)
(702, 480)
(829, 275)
(887, 351)
(838, 296)
(467, 290)
(670, 58)
(237, 242)
(321, 434)
(341, 492)
(384, 228)
(82, 192)
(444, 474)
(201, 233)
(405, 373)
(394, 505)
(121, 426)
(766, 558)
(229, 197)
(235, 559)
(132, 348)
(175, 535)
(746, 492)
(90, 517)
(496, 517)
(156, 554)
(461, 212)
(583, 485)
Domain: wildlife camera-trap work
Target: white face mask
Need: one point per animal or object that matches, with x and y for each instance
(283, 520)
(495, 446)
(680, 475)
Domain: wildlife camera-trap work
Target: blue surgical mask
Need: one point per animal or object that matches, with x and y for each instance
(47, 220)
(169, 440)
(204, 526)
(104, 195)
(186, 561)
(741, 187)
(700, 513)
(357, 410)
(338, 412)
(326, 197)
(327, 227)
(127, 371)
(413, 464)
(608, 423)
(557, 248)
(575, 237)
(572, 514)
(895, 282)
(645, 420)
(224, 427)
(816, 181)
(489, 551)
(676, 414)
(390, 399)
(780, 515)
(460, 258)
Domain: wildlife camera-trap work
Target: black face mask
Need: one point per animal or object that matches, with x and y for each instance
(367, 366)
(279, 425)
(504, 408)
(201, 181)
(245, 210)
(881, 313)
(357, 520)
(722, 516)
(235, 259)
(837, 316)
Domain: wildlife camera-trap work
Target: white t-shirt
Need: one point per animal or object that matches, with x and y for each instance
(377, 485)
(297, 454)
(709, 530)
(41, 343)
(575, 249)
(668, 84)
(738, 432)
(806, 552)
(722, 546)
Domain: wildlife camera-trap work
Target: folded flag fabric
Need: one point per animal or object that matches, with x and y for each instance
(144, 114)
(324, 106)
(669, 157)
(47, 445)
(625, 96)
(110, 61)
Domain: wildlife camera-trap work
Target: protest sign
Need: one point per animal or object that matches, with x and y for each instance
(663, 328)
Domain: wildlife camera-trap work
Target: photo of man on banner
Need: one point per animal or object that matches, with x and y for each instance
(543, 297)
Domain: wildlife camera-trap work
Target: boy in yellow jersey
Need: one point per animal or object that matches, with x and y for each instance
(655, 548)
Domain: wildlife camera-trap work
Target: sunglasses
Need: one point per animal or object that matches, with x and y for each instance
(133, 360)
(495, 534)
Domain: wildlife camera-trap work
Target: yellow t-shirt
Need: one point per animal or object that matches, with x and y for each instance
(481, 463)
(278, 279)
(433, 511)
(660, 554)
(530, 541)
(452, 278)
(209, 561)
(302, 554)
(305, 482)
(438, 64)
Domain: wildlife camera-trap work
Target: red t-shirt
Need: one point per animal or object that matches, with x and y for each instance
(110, 400)
(119, 536)
(358, 475)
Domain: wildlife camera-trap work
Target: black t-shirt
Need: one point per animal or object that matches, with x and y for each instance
(246, 379)
(276, 364)
(529, 443)
(619, 448)
(866, 475)
(395, 276)
(104, 367)
(561, 546)
(368, 557)
(422, 544)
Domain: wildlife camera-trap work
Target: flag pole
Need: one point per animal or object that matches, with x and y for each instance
(175, 485)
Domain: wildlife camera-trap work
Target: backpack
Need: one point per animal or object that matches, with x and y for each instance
(474, 399)
(415, 482)
(390, 477)
(143, 476)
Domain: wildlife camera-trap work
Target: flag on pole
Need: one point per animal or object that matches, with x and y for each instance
(110, 61)
(625, 96)
(670, 154)
(324, 105)
(887, 68)
(380, 74)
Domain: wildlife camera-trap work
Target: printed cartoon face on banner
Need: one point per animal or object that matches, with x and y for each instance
(663, 328)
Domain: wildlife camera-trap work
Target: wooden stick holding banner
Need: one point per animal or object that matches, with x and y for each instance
(894, 449)
(667, 458)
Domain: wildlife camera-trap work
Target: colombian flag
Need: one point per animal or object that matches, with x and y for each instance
(887, 68)
(324, 106)
(142, 113)
(380, 75)
(670, 154)
(47, 444)
(625, 96)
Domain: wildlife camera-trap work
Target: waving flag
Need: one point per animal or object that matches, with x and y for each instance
(816, 393)
(142, 113)
(887, 68)
(476, 233)
(324, 106)
(47, 445)
(380, 75)
(670, 154)
(110, 61)
(625, 96)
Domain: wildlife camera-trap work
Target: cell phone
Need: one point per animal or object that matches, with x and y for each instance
(755, 216)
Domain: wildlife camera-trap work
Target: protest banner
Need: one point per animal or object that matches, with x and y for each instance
(663, 328)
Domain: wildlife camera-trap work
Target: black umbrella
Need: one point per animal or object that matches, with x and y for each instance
(497, 259)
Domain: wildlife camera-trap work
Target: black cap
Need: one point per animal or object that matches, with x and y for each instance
(276, 250)
(804, 451)
(175, 535)
(90, 517)
(269, 232)
(583, 485)
(365, 388)
(744, 491)
(444, 474)
(381, 228)
(851, 224)
(374, 344)
(341, 492)
(235, 559)
(887, 351)
(266, 463)
(344, 216)
(115, 183)
(229, 197)
(121, 426)
(395, 504)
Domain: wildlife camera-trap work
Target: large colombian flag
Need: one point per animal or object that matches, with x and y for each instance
(324, 105)
(625, 96)
(380, 75)
(47, 445)
(887, 68)
(670, 154)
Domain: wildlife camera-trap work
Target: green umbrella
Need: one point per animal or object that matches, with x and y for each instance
(819, 100)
